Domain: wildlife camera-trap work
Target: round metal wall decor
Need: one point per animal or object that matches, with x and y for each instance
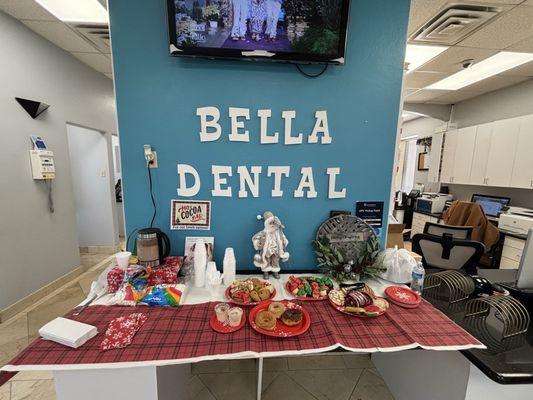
(344, 232)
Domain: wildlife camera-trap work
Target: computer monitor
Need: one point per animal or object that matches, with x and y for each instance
(491, 205)
(525, 270)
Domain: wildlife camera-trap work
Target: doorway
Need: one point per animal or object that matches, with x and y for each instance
(92, 172)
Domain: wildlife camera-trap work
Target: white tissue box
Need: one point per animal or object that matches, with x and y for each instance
(68, 332)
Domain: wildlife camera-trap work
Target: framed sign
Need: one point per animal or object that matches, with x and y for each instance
(423, 161)
(190, 215)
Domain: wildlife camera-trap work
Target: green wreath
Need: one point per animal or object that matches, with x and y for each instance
(368, 262)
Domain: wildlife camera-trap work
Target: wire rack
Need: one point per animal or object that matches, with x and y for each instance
(449, 286)
(509, 311)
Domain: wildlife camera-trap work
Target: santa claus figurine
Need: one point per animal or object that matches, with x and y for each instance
(270, 245)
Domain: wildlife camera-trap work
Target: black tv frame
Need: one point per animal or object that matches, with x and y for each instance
(295, 58)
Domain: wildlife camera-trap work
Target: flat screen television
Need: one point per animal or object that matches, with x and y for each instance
(298, 31)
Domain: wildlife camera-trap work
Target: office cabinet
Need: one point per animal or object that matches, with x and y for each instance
(493, 154)
(502, 152)
(419, 222)
(512, 253)
(522, 176)
(480, 158)
(448, 156)
(434, 157)
(464, 150)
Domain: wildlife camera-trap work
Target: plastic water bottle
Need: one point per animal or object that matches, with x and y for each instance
(417, 280)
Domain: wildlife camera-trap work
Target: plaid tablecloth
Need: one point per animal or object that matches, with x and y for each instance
(183, 335)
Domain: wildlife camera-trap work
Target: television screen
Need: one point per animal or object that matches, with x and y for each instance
(306, 31)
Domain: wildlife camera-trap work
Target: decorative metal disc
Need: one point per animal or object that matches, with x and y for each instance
(344, 231)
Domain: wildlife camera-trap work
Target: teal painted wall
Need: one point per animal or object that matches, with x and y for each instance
(157, 98)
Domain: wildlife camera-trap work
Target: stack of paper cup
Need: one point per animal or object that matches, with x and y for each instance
(123, 259)
(200, 263)
(229, 266)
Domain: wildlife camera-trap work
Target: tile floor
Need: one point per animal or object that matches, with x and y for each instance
(328, 377)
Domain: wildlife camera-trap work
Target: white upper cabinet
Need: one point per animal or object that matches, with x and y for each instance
(434, 157)
(522, 175)
(464, 151)
(448, 157)
(478, 172)
(502, 152)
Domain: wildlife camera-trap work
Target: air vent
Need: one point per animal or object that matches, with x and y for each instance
(454, 23)
(97, 34)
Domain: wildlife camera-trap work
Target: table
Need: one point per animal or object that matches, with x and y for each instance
(161, 354)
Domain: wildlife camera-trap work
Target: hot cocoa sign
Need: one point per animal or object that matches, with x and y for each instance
(190, 215)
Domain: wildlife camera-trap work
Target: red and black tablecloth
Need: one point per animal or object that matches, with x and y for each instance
(180, 335)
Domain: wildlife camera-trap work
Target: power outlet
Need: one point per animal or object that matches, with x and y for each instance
(154, 161)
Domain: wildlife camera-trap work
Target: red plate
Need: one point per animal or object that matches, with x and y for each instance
(221, 328)
(281, 330)
(304, 298)
(369, 308)
(403, 296)
(252, 303)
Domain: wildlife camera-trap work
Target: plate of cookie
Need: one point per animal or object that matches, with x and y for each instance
(358, 302)
(250, 292)
(309, 288)
(279, 319)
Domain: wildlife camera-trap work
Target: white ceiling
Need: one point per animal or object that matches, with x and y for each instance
(511, 31)
(63, 35)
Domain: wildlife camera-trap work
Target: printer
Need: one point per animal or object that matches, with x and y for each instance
(517, 220)
(432, 203)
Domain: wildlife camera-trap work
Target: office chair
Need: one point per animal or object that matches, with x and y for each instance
(457, 232)
(445, 252)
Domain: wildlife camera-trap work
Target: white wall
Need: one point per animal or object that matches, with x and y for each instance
(91, 167)
(510, 102)
(36, 246)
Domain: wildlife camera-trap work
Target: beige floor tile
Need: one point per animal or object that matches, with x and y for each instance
(358, 361)
(327, 384)
(90, 259)
(54, 307)
(371, 387)
(284, 388)
(316, 362)
(235, 385)
(205, 394)
(210, 367)
(5, 391)
(13, 337)
(249, 365)
(276, 364)
(33, 376)
(87, 279)
(34, 390)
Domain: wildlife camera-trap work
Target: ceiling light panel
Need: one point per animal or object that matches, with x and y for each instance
(418, 55)
(485, 69)
(78, 11)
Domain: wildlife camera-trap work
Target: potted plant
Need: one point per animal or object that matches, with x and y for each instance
(211, 13)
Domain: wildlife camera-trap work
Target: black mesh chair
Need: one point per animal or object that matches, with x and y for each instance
(457, 232)
(445, 252)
